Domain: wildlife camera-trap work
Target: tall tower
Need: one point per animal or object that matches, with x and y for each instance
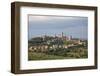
(70, 37)
(62, 34)
(55, 35)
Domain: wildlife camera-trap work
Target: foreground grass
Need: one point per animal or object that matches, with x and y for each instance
(60, 53)
(43, 56)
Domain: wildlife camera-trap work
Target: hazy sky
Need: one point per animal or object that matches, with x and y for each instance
(76, 27)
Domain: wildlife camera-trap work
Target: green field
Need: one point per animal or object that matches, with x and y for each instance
(71, 53)
(43, 56)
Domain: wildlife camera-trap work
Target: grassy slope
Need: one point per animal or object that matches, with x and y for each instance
(43, 56)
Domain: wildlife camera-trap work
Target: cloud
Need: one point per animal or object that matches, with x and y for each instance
(37, 18)
(39, 25)
(34, 18)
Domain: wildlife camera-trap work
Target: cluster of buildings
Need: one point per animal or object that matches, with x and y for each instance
(54, 43)
(60, 36)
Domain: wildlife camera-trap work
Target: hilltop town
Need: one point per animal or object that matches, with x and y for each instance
(57, 46)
